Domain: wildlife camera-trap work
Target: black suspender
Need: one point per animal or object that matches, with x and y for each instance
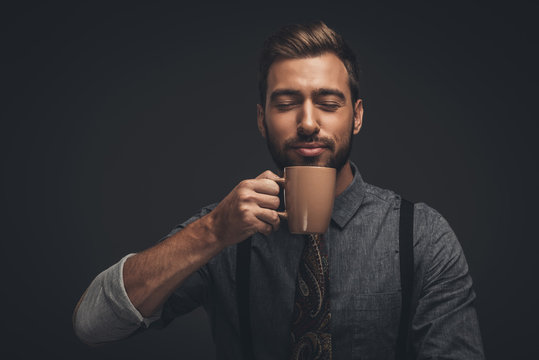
(243, 262)
(406, 252)
(406, 256)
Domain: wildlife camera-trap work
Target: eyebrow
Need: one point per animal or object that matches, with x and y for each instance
(284, 92)
(327, 92)
(315, 93)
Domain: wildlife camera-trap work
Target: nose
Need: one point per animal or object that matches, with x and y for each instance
(307, 123)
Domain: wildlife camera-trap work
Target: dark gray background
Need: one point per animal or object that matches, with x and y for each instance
(120, 121)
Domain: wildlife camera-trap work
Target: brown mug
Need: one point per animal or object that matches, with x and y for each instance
(309, 192)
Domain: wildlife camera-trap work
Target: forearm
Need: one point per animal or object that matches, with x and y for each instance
(152, 275)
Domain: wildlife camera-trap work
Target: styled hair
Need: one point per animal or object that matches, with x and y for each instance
(299, 41)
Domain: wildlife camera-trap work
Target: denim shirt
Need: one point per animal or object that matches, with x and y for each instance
(365, 297)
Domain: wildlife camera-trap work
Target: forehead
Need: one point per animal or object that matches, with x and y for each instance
(307, 74)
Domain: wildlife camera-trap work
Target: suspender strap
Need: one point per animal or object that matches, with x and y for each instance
(406, 252)
(243, 262)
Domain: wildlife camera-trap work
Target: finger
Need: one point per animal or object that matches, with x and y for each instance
(265, 229)
(271, 176)
(269, 217)
(267, 201)
(265, 186)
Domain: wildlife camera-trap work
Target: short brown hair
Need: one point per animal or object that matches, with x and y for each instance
(306, 40)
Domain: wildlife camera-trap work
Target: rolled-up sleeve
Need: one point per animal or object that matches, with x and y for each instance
(445, 324)
(105, 312)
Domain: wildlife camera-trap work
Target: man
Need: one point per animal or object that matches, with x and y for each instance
(308, 113)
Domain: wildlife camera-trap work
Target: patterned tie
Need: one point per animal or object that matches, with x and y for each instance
(311, 336)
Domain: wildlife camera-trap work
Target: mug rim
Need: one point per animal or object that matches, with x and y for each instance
(310, 166)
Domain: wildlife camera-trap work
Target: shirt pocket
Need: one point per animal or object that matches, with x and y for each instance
(375, 328)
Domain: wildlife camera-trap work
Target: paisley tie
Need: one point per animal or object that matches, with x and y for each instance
(311, 337)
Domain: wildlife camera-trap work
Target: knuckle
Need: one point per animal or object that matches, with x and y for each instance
(243, 209)
(244, 194)
(245, 184)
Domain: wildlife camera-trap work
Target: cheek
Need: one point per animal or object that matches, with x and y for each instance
(280, 127)
(341, 131)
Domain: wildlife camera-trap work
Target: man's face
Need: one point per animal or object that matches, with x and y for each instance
(309, 118)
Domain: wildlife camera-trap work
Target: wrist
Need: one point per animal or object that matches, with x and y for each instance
(208, 227)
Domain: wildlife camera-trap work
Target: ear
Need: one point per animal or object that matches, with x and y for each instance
(358, 116)
(260, 120)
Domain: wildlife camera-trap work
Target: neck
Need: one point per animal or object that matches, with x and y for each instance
(344, 178)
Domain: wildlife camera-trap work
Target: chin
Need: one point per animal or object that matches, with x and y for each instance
(315, 161)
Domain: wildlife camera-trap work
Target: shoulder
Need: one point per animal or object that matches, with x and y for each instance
(437, 251)
(380, 201)
(422, 211)
(378, 194)
(430, 226)
(426, 218)
(439, 254)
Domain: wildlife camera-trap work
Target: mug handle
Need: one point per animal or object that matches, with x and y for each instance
(282, 214)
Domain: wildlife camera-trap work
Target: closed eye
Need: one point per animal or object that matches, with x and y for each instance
(330, 106)
(285, 106)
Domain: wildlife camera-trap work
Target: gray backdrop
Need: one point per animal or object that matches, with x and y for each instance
(118, 122)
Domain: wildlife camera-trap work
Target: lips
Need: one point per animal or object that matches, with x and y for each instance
(309, 149)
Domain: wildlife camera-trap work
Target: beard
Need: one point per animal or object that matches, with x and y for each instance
(337, 158)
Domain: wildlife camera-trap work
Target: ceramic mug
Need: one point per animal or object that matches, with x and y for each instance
(309, 193)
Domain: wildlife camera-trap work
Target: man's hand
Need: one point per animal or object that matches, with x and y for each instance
(249, 208)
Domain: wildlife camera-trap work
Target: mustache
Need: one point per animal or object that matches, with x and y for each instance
(327, 142)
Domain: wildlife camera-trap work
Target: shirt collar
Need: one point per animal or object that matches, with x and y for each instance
(349, 201)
